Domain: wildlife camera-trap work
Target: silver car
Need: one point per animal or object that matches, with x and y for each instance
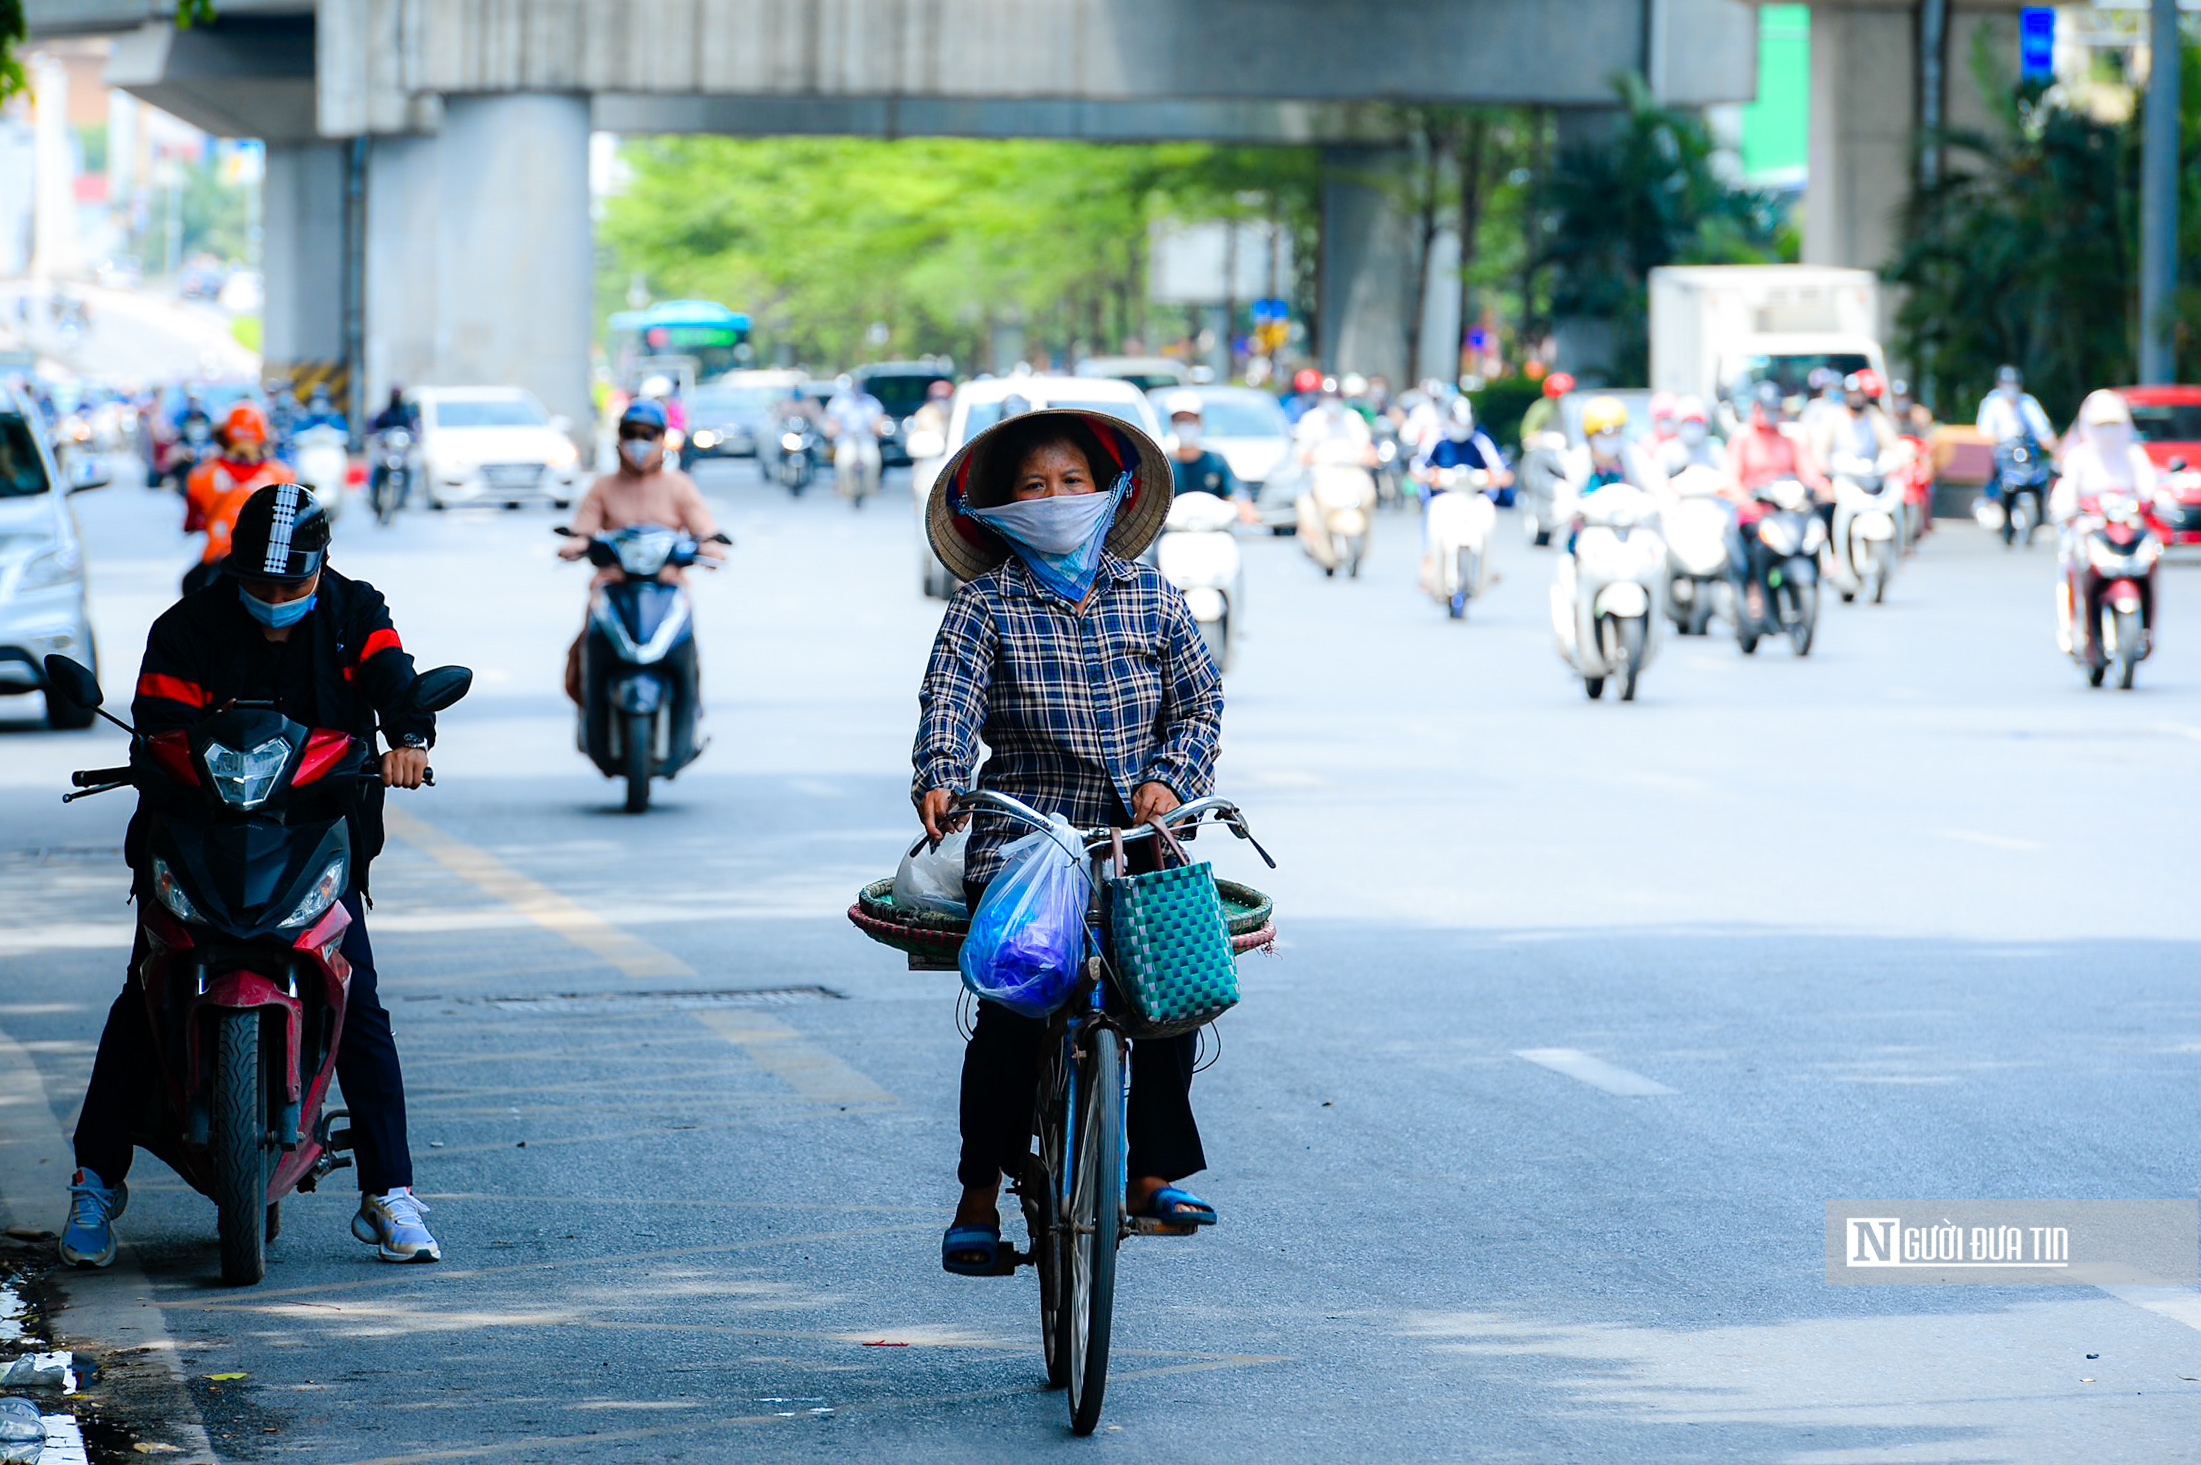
(42, 604)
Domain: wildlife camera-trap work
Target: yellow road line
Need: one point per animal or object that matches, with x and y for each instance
(781, 1051)
(535, 900)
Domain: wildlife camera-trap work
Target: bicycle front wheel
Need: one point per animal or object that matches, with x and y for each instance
(1096, 1219)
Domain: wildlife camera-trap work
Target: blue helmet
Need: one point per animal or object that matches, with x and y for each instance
(646, 412)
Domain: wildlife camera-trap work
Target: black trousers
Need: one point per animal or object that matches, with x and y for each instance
(366, 1071)
(1001, 1084)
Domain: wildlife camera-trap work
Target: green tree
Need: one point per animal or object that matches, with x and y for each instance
(1650, 196)
(2026, 250)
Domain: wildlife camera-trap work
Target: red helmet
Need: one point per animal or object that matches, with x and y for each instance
(1558, 384)
(1866, 381)
(245, 423)
(1306, 379)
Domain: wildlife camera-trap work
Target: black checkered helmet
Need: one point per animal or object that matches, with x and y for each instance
(282, 533)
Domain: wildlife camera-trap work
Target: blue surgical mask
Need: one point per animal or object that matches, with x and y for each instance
(276, 614)
(1059, 538)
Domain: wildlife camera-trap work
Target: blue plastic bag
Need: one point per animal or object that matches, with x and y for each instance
(1027, 937)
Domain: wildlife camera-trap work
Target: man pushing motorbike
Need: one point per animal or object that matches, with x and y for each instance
(278, 626)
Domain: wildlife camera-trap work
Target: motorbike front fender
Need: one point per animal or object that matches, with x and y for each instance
(642, 693)
(1622, 598)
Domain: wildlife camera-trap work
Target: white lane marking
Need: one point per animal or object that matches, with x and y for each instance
(780, 1051)
(1992, 841)
(2179, 1304)
(1595, 1072)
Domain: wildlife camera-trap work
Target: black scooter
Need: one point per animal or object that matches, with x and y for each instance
(2022, 474)
(798, 452)
(640, 705)
(1781, 560)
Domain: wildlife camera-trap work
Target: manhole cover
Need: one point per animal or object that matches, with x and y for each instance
(596, 1002)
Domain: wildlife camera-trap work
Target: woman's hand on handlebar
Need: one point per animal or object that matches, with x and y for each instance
(934, 810)
(1151, 801)
(404, 767)
(573, 549)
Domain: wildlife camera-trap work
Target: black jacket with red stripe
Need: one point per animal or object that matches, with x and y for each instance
(342, 667)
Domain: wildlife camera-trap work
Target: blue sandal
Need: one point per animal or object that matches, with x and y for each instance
(961, 1241)
(1162, 1206)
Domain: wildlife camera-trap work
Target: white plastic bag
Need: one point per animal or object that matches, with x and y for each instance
(932, 879)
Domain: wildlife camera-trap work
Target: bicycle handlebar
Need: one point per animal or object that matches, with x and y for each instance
(1228, 814)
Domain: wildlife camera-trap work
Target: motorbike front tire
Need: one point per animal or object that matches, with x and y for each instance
(1805, 597)
(1595, 687)
(1629, 636)
(237, 1146)
(637, 759)
(2128, 648)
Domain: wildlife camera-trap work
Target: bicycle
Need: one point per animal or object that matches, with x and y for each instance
(1072, 1190)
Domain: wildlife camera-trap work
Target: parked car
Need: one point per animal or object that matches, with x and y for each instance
(42, 605)
(729, 416)
(2167, 421)
(1144, 372)
(493, 445)
(1249, 428)
(900, 387)
(979, 405)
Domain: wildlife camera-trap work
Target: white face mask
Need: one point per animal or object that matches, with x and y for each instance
(1188, 434)
(638, 452)
(1692, 433)
(2111, 439)
(1458, 431)
(1605, 444)
(1055, 525)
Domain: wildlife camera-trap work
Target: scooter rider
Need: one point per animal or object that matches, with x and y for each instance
(2010, 414)
(1692, 445)
(1606, 457)
(1857, 427)
(1664, 420)
(2102, 456)
(645, 489)
(218, 488)
(280, 626)
(1459, 444)
(321, 412)
(1200, 469)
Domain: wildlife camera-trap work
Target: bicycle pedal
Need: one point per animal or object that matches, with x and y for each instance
(1149, 1226)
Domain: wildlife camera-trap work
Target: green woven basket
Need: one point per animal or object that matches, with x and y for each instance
(1172, 959)
(932, 941)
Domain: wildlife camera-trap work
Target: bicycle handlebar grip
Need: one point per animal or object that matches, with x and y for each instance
(428, 777)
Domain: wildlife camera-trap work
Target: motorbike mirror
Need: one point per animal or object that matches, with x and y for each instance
(73, 682)
(437, 689)
(561, 531)
(2178, 465)
(719, 538)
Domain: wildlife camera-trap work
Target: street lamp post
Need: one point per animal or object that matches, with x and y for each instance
(2159, 197)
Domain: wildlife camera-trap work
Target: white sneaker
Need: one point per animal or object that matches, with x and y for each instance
(391, 1224)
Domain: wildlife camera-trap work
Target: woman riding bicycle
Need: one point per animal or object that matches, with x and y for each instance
(1089, 683)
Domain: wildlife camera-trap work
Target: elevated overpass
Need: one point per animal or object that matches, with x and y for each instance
(426, 199)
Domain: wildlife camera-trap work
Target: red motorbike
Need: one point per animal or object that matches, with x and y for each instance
(2105, 602)
(1914, 478)
(244, 852)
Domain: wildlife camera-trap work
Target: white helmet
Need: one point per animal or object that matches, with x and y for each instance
(1182, 404)
(1459, 420)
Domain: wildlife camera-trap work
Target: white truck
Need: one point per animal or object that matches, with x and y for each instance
(1716, 329)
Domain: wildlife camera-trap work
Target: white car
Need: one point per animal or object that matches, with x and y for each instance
(493, 445)
(979, 405)
(42, 604)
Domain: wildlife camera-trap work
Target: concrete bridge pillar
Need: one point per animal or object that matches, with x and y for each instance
(304, 216)
(479, 251)
(1366, 290)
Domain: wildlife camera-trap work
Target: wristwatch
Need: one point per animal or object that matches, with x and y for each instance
(412, 740)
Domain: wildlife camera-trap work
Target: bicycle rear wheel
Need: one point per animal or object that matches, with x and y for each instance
(1095, 1225)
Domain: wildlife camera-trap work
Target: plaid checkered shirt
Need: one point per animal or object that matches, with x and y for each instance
(1075, 710)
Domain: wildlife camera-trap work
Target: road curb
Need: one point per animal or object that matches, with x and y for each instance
(110, 1314)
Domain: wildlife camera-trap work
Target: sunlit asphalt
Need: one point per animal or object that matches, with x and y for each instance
(1907, 918)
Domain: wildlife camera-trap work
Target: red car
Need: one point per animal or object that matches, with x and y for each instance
(2168, 422)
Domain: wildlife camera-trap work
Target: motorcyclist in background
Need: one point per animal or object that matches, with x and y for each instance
(1424, 421)
(1692, 445)
(1543, 412)
(1652, 444)
(1330, 421)
(2101, 456)
(192, 410)
(1196, 467)
(932, 414)
(321, 412)
(1824, 396)
(1857, 426)
(218, 488)
(282, 411)
(1306, 390)
(1605, 458)
(1458, 444)
(2007, 415)
(395, 413)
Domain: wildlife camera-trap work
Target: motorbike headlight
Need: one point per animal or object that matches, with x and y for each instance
(60, 565)
(791, 442)
(168, 890)
(323, 895)
(244, 780)
(706, 439)
(562, 454)
(2104, 557)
